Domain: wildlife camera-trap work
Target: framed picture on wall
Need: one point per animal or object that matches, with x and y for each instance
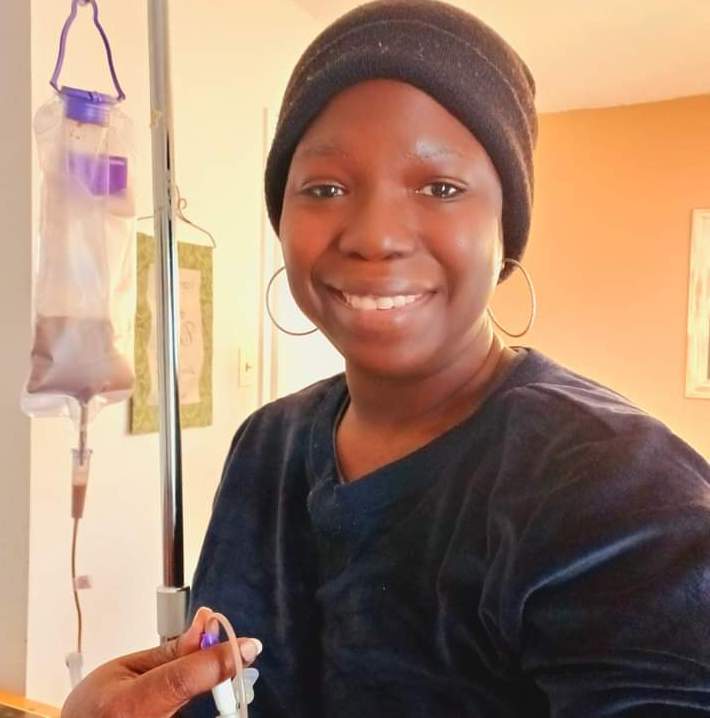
(697, 382)
(196, 342)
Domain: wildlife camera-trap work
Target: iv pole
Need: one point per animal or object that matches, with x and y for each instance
(172, 596)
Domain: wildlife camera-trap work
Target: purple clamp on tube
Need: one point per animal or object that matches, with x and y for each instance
(208, 640)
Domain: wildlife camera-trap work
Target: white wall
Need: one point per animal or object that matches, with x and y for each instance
(229, 61)
(15, 210)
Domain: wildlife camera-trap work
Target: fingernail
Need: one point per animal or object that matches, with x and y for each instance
(200, 612)
(212, 628)
(251, 649)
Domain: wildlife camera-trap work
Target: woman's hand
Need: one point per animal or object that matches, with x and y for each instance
(156, 683)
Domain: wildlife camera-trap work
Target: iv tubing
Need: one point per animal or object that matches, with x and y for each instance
(238, 662)
(80, 476)
(77, 604)
(83, 423)
(78, 495)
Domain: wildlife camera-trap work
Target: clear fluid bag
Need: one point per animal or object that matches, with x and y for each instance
(84, 280)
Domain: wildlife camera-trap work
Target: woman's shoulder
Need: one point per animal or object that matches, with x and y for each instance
(551, 394)
(550, 408)
(304, 401)
(577, 458)
(275, 436)
(287, 417)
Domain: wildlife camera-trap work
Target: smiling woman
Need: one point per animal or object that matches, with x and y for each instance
(396, 275)
(457, 521)
(452, 527)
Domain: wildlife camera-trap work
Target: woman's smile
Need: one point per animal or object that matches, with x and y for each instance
(369, 302)
(380, 312)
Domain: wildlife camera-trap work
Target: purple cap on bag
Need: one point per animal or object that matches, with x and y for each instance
(87, 106)
(100, 174)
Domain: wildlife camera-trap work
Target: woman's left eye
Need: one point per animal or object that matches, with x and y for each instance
(442, 190)
(323, 191)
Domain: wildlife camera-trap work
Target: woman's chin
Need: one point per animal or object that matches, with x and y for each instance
(392, 363)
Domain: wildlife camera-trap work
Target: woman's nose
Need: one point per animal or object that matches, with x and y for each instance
(378, 229)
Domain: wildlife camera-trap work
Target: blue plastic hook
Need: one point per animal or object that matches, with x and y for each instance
(63, 46)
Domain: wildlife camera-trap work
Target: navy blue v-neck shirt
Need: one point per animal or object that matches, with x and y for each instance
(548, 556)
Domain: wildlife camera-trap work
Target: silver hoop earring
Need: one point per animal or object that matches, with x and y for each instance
(533, 299)
(271, 316)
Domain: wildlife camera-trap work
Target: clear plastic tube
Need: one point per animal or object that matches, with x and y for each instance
(238, 662)
(81, 461)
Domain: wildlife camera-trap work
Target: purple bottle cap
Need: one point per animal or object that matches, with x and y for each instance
(87, 106)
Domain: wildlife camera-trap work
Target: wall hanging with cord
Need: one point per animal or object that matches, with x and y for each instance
(195, 260)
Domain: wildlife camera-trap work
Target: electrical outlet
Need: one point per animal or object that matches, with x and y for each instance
(247, 367)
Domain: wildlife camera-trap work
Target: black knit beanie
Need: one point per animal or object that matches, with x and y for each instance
(446, 52)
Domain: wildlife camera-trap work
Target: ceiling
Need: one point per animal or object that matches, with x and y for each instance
(594, 53)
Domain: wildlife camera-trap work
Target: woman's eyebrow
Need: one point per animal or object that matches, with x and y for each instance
(322, 149)
(431, 152)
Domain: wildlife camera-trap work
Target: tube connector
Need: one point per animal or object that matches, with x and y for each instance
(225, 693)
(81, 460)
(75, 664)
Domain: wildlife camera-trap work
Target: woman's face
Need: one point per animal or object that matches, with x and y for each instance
(390, 230)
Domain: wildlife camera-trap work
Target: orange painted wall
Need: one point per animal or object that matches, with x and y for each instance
(609, 250)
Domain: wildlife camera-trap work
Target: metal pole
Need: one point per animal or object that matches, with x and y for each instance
(173, 595)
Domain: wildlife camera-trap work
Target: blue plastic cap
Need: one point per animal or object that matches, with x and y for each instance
(87, 106)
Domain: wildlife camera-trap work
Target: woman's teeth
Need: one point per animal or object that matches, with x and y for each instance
(369, 301)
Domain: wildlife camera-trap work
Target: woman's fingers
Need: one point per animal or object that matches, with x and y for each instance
(157, 682)
(145, 661)
(188, 642)
(170, 686)
(122, 688)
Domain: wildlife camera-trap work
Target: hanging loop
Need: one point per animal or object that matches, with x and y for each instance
(120, 94)
(179, 211)
(180, 206)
